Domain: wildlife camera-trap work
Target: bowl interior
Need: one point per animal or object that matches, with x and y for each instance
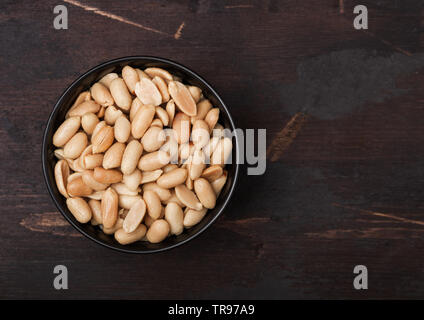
(58, 115)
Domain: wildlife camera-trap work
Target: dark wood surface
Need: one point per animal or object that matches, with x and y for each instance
(344, 114)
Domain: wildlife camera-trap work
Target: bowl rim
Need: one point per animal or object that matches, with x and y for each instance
(72, 86)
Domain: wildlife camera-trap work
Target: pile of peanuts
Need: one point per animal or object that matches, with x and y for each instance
(141, 155)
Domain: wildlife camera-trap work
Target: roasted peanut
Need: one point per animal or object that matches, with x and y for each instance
(148, 92)
(77, 188)
(193, 217)
(153, 204)
(61, 174)
(175, 217)
(66, 131)
(187, 197)
(126, 238)
(113, 156)
(109, 207)
(96, 211)
(132, 180)
(142, 120)
(84, 107)
(101, 94)
(131, 157)
(103, 139)
(130, 77)
(107, 176)
(79, 209)
(158, 231)
(74, 147)
(120, 93)
(181, 126)
(122, 129)
(89, 122)
(182, 98)
(134, 216)
(205, 193)
(153, 139)
(172, 178)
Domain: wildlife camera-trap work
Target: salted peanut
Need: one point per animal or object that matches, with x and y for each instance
(148, 220)
(170, 146)
(120, 93)
(153, 139)
(150, 176)
(147, 92)
(153, 204)
(186, 150)
(96, 211)
(211, 146)
(134, 216)
(88, 179)
(158, 72)
(197, 164)
(130, 77)
(122, 213)
(126, 201)
(73, 176)
(193, 217)
(222, 152)
(97, 128)
(122, 129)
(103, 139)
(212, 173)
(164, 194)
(97, 195)
(170, 109)
(79, 209)
(162, 115)
(101, 112)
(153, 161)
(61, 174)
(162, 87)
(219, 183)
(158, 231)
(66, 131)
(107, 79)
(181, 126)
(75, 146)
(182, 98)
(112, 114)
(187, 197)
(126, 238)
(212, 117)
(169, 167)
(109, 206)
(135, 106)
(142, 74)
(83, 96)
(157, 123)
(195, 92)
(132, 180)
(205, 193)
(77, 188)
(218, 131)
(172, 178)
(175, 199)
(203, 108)
(122, 189)
(131, 156)
(200, 134)
(101, 94)
(92, 161)
(83, 108)
(142, 121)
(113, 156)
(117, 226)
(89, 122)
(107, 176)
(174, 216)
(189, 183)
(58, 153)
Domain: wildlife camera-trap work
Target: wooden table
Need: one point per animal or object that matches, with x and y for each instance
(343, 109)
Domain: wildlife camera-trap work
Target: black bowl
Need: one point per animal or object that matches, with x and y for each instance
(58, 115)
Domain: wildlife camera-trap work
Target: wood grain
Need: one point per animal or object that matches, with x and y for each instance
(343, 111)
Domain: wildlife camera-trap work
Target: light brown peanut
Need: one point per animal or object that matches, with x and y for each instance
(182, 98)
(131, 157)
(109, 207)
(135, 216)
(142, 120)
(79, 209)
(125, 238)
(187, 197)
(120, 93)
(172, 178)
(113, 156)
(61, 174)
(175, 217)
(101, 94)
(158, 231)
(107, 176)
(66, 131)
